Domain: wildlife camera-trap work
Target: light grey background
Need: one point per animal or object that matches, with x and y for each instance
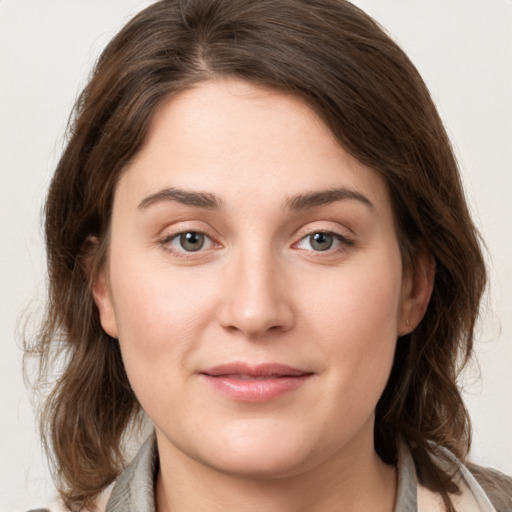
(463, 48)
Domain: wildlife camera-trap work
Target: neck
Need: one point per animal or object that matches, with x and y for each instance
(352, 481)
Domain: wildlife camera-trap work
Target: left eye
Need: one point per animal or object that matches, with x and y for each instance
(189, 241)
(320, 241)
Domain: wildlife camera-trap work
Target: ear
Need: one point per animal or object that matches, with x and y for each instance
(100, 287)
(102, 298)
(417, 286)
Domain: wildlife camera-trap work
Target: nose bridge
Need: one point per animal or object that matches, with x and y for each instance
(255, 300)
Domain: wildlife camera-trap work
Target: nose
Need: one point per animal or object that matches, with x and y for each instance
(256, 299)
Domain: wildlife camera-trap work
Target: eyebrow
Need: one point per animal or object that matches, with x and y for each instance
(325, 197)
(295, 203)
(188, 198)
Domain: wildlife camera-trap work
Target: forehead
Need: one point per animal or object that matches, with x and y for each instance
(233, 138)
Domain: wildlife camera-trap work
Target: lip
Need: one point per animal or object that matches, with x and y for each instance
(243, 382)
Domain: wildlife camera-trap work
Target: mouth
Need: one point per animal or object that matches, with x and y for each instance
(253, 384)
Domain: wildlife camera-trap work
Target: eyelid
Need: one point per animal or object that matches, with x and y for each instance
(177, 237)
(173, 232)
(336, 238)
(342, 238)
(333, 228)
(346, 241)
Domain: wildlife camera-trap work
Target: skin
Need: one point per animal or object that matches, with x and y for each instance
(258, 291)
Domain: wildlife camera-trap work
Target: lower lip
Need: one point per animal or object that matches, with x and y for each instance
(255, 390)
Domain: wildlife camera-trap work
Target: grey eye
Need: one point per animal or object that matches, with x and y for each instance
(191, 241)
(321, 241)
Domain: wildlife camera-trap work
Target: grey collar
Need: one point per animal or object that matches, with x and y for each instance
(406, 495)
(134, 489)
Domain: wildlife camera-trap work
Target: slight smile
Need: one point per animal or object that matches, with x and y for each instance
(252, 384)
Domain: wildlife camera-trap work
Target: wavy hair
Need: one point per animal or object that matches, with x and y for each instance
(370, 95)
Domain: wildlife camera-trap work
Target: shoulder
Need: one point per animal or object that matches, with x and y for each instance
(496, 485)
(482, 489)
(54, 506)
(51, 508)
(57, 505)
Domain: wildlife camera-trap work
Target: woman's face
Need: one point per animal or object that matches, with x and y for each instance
(254, 282)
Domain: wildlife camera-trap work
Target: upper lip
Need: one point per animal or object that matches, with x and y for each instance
(248, 370)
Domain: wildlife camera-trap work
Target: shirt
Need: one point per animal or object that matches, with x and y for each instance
(134, 489)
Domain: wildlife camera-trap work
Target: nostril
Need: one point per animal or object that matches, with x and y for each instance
(255, 309)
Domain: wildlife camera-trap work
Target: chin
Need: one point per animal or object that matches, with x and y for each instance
(259, 466)
(266, 454)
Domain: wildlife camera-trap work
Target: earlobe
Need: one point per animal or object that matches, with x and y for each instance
(416, 291)
(102, 298)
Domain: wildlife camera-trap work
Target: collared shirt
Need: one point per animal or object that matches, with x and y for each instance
(134, 489)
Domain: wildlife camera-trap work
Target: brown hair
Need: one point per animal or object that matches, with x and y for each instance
(372, 98)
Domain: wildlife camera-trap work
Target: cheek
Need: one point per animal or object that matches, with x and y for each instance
(357, 305)
(159, 316)
(353, 315)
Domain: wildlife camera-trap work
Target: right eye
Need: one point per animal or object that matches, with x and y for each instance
(187, 242)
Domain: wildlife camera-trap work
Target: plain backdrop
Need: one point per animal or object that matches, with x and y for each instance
(463, 48)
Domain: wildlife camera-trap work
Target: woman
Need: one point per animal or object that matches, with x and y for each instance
(258, 237)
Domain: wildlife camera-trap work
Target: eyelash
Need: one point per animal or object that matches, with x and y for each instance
(166, 243)
(345, 243)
